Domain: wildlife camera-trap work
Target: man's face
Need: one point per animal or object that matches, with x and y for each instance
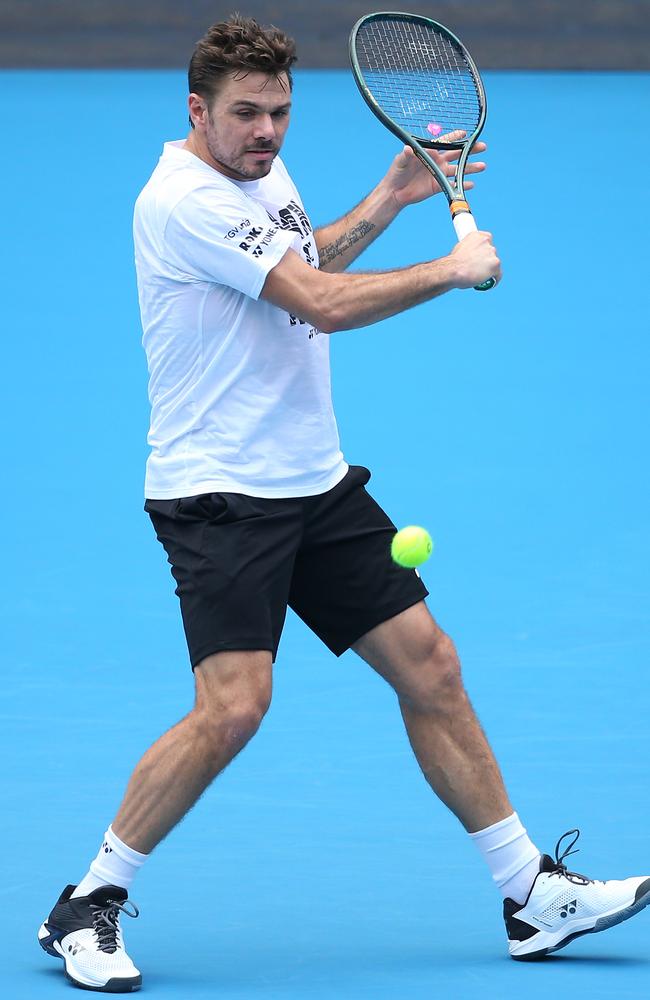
(244, 127)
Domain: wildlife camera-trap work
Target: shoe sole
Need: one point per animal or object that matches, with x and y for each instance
(49, 942)
(603, 924)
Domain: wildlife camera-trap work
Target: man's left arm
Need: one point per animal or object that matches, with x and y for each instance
(406, 183)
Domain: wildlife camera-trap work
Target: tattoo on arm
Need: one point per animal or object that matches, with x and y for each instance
(338, 247)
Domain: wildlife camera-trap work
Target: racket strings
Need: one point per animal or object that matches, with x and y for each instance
(418, 76)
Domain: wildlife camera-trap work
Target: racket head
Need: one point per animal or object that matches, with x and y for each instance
(417, 77)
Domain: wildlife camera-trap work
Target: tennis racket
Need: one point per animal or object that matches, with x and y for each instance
(421, 83)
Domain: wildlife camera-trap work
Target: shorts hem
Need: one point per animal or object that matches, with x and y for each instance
(378, 618)
(232, 645)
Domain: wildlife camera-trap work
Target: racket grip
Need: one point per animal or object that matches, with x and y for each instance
(464, 223)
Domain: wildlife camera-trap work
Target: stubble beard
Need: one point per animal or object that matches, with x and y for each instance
(237, 167)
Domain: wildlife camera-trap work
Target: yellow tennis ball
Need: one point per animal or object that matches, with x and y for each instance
(411, 546)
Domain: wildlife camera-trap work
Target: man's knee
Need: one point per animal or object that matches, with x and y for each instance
(433, 680)
(233, 694)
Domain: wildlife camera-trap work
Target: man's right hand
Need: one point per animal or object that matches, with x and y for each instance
(475, 260)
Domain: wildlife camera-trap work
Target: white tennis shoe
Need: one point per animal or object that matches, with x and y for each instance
(85, 932)
(563, 905)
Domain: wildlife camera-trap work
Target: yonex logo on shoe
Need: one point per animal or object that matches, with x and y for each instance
(75, 947)
(569, 908)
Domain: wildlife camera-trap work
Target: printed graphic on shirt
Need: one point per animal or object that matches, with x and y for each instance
(252, 239)
(230, 235)
(307, 251)
(294, 218)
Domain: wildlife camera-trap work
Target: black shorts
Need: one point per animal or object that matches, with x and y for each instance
(238, 561)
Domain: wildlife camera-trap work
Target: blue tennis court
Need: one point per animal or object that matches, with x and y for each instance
(513, 425)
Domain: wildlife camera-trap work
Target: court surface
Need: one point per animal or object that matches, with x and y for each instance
(512, 424)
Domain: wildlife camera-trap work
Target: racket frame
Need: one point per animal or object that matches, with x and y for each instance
(455, 192)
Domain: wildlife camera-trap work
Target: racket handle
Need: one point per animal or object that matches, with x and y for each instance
(464, 223)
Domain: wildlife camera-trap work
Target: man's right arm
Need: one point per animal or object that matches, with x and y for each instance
(333, 302)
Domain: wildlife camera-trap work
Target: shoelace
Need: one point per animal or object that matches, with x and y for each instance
(560, 868)
(105, 922)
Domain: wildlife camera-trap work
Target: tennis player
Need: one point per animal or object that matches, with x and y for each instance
(257, 509)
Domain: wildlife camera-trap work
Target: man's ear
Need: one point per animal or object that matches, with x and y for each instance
(198, 110)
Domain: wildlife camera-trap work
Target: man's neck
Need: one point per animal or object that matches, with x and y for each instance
(194, 145)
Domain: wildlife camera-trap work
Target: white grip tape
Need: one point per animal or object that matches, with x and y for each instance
(463, 224)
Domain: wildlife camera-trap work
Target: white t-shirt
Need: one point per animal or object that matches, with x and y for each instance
(239, 389)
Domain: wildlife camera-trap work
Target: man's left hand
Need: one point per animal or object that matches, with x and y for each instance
(409, 180)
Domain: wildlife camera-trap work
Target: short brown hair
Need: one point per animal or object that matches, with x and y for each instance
(239, 43)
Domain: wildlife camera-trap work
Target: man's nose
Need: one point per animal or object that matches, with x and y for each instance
(264, 127)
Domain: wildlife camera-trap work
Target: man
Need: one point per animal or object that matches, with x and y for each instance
(256, 507)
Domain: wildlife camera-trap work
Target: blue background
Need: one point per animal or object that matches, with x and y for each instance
(512, 424)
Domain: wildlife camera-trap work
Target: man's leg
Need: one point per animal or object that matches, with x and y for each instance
(233, 691)
(545, 906)
(419, 661)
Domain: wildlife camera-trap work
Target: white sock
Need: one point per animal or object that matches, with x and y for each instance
(115, 864)
(510, 855)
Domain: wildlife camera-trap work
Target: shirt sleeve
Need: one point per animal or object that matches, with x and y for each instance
(215, 235)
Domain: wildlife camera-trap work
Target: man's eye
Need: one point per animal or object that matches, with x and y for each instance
(244, 114)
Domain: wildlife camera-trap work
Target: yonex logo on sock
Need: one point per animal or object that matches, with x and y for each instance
(569, 908)
(107, 849)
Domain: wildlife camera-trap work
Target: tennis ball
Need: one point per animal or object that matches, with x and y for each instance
(411, 546)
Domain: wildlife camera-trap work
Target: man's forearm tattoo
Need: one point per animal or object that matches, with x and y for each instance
(338, 247)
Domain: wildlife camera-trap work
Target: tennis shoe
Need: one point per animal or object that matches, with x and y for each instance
(85, 932)
(563, 905)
